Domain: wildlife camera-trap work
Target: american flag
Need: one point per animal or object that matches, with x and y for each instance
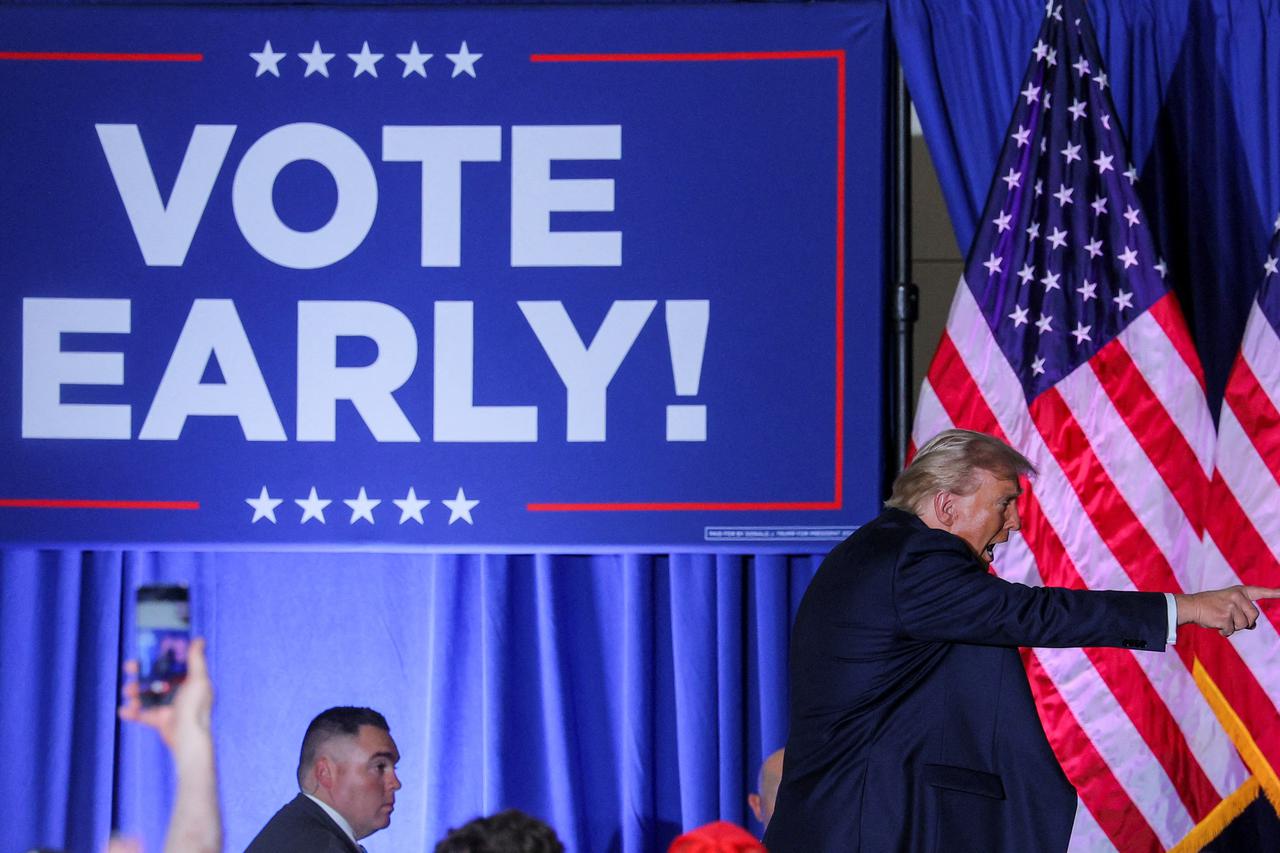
(1242, 532)
(1064, 339)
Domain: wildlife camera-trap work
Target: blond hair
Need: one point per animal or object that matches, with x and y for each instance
(949, 461)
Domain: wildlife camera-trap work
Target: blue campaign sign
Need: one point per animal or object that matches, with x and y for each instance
(549, 278)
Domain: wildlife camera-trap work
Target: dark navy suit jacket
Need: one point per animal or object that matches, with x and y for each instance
(913, 727)
(301, 827)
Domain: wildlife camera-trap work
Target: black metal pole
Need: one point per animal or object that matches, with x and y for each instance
(905, 295)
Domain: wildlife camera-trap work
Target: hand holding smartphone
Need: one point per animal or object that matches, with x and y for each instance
(163, 623)
(173, 695)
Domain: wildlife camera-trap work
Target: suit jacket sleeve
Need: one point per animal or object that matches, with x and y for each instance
(943, 593)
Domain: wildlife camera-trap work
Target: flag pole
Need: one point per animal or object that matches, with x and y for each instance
(904, 295)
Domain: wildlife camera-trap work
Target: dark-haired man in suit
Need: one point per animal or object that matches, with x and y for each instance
(912, 723)
(347, 775)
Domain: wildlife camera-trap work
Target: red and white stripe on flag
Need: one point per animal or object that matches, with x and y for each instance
(1064, 340)
(1132, 730)
(1242, 535)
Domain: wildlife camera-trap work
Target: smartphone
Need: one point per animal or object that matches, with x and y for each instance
(163, 620)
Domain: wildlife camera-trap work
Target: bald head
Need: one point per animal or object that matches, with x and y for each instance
(767, 782)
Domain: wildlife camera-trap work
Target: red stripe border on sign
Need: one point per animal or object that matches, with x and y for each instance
(77, 503)
(837, 501)
(63, 56)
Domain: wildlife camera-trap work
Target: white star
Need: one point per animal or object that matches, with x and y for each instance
(1071, 152)
(1104, 163)
(366, 62)
(1044, 145)
(1050, 281)
(1033, 231)
(1270, 266)
(1037, 365)
(1088, 290)
(1277, 225)
(460, 507)
(361, 506)
(1129, 257)
(268, 60)
(1039, 183)
(1101, 79)
(1031, 93)
(317, 61)
(1082, 65)
(1131, 214)
(1063, 195)
(1081, 333)
(993, 264)
(1045, 323)
(1019, 316)
(410, 507)
(1093, 247)
(1077, 109)
(1021, 136)
(1001, 222)
(1106, 120)
(264, 506)
(1162, 268)
(1123, 300)
(1099, 205)
(414, 62)
(1052, 57)
(464, 61)
(1026, 273)
(1047, 96)
(312, 507)
(1132, 174)
(1013, 179)
(1058, 238)
(1040, 50)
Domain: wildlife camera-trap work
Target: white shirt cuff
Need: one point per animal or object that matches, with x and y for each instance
(1171, 607)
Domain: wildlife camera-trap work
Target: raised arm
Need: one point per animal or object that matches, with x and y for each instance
(196, 823)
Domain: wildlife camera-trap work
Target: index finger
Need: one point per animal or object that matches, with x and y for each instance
(1256, 592)
(198, 668)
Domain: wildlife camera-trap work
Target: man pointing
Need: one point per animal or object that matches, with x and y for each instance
(912, 723)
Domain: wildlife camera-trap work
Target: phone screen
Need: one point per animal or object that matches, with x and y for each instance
(163, 621)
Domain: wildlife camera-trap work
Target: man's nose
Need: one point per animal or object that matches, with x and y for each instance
(395, 781)
(1014, 521)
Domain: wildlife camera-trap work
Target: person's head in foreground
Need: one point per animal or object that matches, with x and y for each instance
(348, 761)
(510, 831)
(767, 780)
(966, 483)
(718, 837)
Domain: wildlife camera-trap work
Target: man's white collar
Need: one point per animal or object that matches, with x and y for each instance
(337, 818)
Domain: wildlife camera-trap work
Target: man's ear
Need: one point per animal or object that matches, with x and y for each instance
(753, 800)
(944, 508)
(322, 770)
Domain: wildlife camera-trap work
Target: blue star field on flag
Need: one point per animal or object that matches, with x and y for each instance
(1064, 257)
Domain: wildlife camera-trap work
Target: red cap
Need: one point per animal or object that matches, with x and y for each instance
(718, 837)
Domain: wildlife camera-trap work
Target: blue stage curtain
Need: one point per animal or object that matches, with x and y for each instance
(1195, 87)
(622, 698)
